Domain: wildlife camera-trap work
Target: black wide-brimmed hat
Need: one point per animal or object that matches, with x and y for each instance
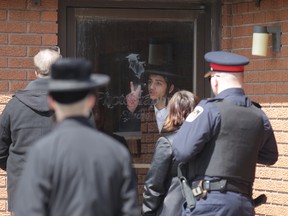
(74, 74)
(161, 59)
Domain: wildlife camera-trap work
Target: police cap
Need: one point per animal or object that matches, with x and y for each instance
(221, 61)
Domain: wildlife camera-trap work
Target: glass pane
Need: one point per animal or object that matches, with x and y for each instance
(118, 45)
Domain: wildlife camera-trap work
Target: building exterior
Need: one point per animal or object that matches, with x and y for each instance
(29, 25)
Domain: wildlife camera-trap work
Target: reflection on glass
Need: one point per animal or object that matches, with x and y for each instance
(119, 47)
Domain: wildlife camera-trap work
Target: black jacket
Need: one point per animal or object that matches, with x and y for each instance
(162, 191)
(76, 170)
(25, 119)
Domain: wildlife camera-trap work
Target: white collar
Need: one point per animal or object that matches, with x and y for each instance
(161, 116)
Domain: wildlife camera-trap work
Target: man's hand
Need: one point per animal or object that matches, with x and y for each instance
(133, 97)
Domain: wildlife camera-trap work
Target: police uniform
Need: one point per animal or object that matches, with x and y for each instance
(222, 140)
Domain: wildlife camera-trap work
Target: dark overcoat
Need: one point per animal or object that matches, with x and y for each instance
(75, 171)
(162, 191)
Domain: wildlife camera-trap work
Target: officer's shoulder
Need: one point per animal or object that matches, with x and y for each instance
(209, 101)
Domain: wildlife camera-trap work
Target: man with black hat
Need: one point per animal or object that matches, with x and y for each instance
(222, 140)
(159, 77)
(76, 170)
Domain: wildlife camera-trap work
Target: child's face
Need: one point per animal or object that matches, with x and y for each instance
(157, 87)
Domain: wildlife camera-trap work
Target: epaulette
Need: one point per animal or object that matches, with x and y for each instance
(214, 99)
(256, 104)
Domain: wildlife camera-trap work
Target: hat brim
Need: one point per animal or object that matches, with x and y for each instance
(163, 73)
(96, 80)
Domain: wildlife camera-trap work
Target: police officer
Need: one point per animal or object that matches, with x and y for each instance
(222, 140)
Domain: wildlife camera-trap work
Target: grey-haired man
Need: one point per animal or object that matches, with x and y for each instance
(25, 119)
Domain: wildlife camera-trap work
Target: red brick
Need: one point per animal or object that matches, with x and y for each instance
(8, 74)
(45, 5)
(226, 32)
(13, 4)
(242, 31)
(239, 8)
(13, 51)
(278, 99)
(33, 50)
(3, 15)
(276, 64)
(248, 18)
(226, 21)
(3, 39)
(237, 20)
(259, 17)
(241, 43)
(276, 4)
(3, 62)
(31, 75)
(50, 40)
(20, 63)
(48, 28)
(265, 5)
(12, 27)
(270, 88)
(282, 88)
(49, 16)
(4, 87)
(24, 15)
(25, 39)
(18, 85)
(226, 9)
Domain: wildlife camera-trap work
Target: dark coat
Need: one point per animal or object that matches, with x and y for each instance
(162, 191)
(25, 119)
(76, 170)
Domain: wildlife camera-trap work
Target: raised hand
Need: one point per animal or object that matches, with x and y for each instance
(133, 97)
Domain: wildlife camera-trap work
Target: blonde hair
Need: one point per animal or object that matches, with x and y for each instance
(44, 59)
(180, 106)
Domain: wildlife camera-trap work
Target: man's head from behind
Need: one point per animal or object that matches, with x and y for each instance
(226, 70)
(71, 87)
(43, 61)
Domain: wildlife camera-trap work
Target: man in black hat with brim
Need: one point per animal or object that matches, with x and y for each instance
(159, 81)
(76, 170)
(222, 140)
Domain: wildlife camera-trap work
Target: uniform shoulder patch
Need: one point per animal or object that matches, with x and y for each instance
(194, 114)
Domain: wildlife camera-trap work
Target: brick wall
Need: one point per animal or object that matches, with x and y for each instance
(24, 29)
(266, 81)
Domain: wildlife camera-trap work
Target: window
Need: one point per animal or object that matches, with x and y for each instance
(110, 38)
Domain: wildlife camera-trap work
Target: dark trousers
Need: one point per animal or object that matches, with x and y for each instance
(222, 204)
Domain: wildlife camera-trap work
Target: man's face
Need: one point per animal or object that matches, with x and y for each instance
(157, 87)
